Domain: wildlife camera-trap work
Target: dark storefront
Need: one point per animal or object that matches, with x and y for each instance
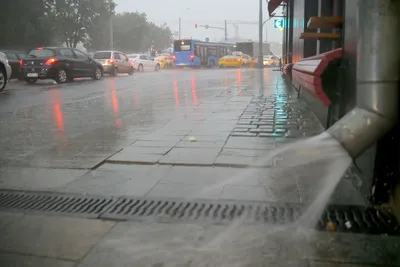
(328, 31)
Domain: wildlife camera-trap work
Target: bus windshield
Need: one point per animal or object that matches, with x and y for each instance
(182, 45)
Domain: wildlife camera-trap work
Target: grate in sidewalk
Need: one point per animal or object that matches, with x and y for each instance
(64, 204)
(352, 219)
(214, 211)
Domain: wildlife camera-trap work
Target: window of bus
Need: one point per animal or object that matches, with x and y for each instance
(222, 51)
(182, 45)
(212, 51)
(197, 50)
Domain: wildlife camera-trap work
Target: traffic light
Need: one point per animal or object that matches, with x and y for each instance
(195, 25)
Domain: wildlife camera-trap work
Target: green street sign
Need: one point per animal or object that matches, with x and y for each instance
(279, 23)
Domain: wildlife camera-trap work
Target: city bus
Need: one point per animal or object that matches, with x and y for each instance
(196, 53)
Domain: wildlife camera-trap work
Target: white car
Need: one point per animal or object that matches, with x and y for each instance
(142, 62)
(5, 71)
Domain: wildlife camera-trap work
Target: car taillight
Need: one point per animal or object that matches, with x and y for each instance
(50, 61)
(21, 63)
(191, 57)
(111, 61)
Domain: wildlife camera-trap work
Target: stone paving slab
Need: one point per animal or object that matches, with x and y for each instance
(189, 156)
(155, 244)
(207, 177)
(37, 178)
(52, 237)
(185, 191)
(8, 218)
(19, 260)
(129, 180)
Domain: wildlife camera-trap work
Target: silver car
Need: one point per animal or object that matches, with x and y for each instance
(5, 71)
(114, 62)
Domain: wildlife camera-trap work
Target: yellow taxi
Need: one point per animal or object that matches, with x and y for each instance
(237, 60)
(165, 61)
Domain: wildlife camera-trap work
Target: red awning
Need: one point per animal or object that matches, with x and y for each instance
(273, 5)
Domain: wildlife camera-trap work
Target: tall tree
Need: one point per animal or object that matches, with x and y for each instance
(130, 30)
(133, 32)
(98, 34)
(159, 36)
(24, 24)
(75, 18)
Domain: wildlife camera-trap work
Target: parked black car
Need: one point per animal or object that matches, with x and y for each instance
(61, 64)
(14, 59)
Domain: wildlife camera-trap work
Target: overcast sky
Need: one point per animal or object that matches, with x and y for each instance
(212, 12)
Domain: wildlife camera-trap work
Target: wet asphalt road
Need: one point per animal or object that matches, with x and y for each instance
(50, 125)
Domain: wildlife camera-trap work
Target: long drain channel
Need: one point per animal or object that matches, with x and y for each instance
(352, 219)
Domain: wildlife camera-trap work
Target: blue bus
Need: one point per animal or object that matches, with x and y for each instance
(196, 53)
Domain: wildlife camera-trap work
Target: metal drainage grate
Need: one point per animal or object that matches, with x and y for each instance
(78, 205)
(172, 210)
(352, 219)
(356, 219)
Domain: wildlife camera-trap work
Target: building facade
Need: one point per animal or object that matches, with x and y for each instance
(314, 27)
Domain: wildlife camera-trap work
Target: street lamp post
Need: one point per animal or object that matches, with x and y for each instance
(112, 8)
(260, 37)
(180, 27)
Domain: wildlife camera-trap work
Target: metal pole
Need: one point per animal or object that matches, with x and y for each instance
(260, 37)
(378, 77)
(111, 33)
(180, 28)
(226, 32)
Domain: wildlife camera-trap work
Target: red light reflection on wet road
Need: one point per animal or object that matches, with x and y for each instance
(239, 81)
(266, 73)
(115, 107)
(58, 115)
(57, 110)
(136, 98)
(194, 92)
(176, 93)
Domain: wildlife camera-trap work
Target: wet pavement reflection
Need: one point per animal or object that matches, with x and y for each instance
(79, 112)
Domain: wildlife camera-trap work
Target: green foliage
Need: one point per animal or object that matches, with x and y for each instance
(74, 19)
(132, 32)
(55, 22)
(24, 24)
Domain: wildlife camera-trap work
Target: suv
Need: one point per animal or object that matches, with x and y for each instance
(114, 62)
(5, 71)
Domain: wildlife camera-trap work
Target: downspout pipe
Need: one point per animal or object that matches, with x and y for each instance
(378, 76)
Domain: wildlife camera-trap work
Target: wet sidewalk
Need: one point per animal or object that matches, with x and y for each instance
(216, 150)
(47, 241)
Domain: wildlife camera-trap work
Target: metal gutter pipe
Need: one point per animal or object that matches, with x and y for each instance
(378, 76)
